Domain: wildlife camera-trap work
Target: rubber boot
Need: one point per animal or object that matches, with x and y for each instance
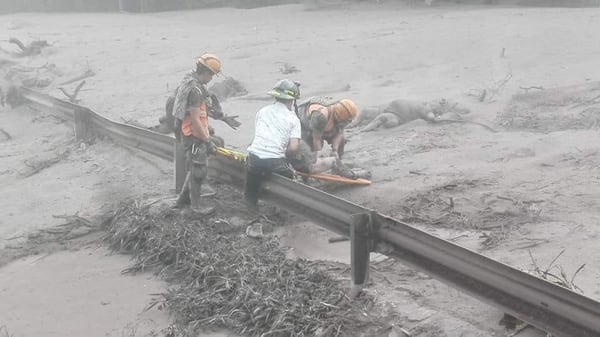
(196, 205)
(207, 191)
(252, 207)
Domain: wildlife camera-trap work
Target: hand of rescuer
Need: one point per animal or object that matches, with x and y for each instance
(211, 147)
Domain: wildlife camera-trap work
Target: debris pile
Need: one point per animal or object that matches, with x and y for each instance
(223, 278)
(25, 68)
(229, 87)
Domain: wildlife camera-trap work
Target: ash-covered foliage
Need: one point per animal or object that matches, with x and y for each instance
(222, 278)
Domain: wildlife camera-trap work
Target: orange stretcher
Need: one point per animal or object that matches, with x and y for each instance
(335, 178)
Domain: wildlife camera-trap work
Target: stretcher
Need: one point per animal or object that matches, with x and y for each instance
(241, 157)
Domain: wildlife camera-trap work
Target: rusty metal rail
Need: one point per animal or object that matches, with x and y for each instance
(543, 304)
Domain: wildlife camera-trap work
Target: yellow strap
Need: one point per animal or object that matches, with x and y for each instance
(235, 155)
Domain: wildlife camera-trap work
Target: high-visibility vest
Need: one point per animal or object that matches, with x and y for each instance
(186, 124)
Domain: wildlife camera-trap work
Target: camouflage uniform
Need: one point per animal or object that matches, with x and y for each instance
(191, 93)
(312, 122)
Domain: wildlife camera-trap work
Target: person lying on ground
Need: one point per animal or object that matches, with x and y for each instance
(402, 111)
(397, 112)
(313, 162)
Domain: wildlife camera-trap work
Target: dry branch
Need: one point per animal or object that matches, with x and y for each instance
(6, 134)
(88, 73)
(34, 47)
(4, 332)
(532, 87)
(562, 279)
(73, 97)
(38, 165)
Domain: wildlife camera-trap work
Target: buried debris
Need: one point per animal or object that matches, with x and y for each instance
(229, 87)
(33, 48)
(222, 278)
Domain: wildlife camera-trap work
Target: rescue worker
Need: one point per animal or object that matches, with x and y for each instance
(277, 133)
(326, 122)
(191, 106)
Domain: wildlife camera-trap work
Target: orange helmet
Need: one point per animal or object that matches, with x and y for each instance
(210, 61)
(345, 110)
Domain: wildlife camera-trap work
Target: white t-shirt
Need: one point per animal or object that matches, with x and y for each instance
(274, 126)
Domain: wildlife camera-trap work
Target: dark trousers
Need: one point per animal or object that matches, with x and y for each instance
(257, 171)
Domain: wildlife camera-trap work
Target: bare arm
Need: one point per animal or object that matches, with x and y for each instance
(293, 147)
(337, 140)
(317, 141)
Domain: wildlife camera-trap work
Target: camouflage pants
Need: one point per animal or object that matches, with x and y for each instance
(196, 153)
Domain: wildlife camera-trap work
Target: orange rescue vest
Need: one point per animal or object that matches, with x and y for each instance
(186, 124)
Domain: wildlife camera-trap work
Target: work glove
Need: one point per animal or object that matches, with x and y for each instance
(211, 147)
(231, 121)
(215, 111)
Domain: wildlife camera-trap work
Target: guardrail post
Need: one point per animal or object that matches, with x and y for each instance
(361, 246)
(180, 168)
(83, 129)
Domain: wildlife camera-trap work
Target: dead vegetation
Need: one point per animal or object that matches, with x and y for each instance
(74, 227)
(568, 108)
(5, 135)
(450, 206)
(555, 273)
(73, 97)
(488, 94)
(4, 332)
(37, 165)
(222, 278)
(33, 48)
(559, 277)
(73, 232)
(84, 75)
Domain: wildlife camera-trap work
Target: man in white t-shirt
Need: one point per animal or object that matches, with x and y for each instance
(277, 134)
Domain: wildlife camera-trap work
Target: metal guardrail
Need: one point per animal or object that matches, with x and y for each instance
(543, 304)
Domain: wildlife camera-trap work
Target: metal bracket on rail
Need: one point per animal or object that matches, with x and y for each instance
(362, 243)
